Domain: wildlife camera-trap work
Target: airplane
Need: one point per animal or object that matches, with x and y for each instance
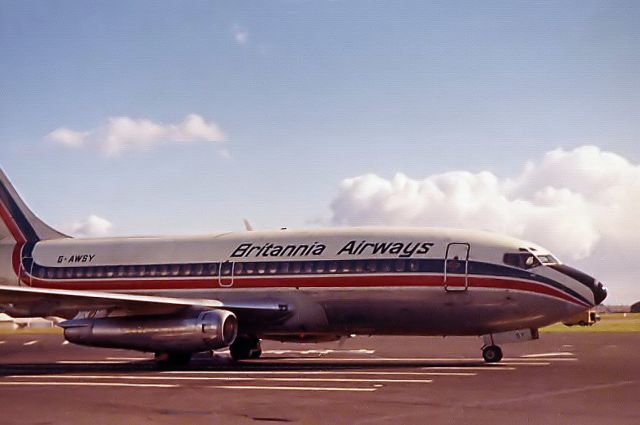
(177, 296)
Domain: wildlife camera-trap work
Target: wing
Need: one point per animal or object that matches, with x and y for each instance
(26, 301)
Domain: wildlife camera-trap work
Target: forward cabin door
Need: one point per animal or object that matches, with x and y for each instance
(456, 267)
(225, 274)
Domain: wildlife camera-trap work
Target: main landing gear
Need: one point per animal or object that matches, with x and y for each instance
(246, 347)
(492, 354)
(172, 360)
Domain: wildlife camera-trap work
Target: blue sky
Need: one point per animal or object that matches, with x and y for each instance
(307, 94)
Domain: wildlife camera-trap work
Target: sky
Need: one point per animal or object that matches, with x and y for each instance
(175, 117)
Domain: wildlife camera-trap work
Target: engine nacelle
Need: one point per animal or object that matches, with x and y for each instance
(189, 333)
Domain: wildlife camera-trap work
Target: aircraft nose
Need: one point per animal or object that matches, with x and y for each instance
(599, 292)
(596, 287)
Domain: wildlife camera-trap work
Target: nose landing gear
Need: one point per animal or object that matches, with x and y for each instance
(492, 354)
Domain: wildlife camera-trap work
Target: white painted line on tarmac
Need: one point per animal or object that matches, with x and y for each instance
(86, 384)
(325, 351)
(35, 341)
(65, 342)
(364, 359)
(555, 394)
(90, 361)
(226, 378)
(512, 363)
(2, 342)
(257, 387)
(319, 372)
(129, 358)
(482, 368)
(558, 354)
(543, 359)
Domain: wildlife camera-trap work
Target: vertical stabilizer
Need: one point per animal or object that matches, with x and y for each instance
(16, 219)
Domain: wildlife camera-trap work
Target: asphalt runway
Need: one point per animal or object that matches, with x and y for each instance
(559, 379)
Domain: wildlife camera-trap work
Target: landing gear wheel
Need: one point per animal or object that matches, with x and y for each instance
(257, 351)
(492, 354)
(245, 347)
(172, 360)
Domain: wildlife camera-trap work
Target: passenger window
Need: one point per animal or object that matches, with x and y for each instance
(131, 271)
(198, 269)
(399, 265)
(386, 266)
(238, 269)
(333, 267)
(119, 271)
(90, 271)
(226, 269)
(249, 268)
(262, 267)
(320, 266)
(346, 266)
(414, 265)
(212, 269)
(163, 270)
(308, 267)
(359, 267)
(153, 270)
(295, 267)
(109, 271)
(140, 271)
(186, 270)
(372, 266)
(175, 270)
(99, 272)
(284, 267)
(79, 273)
(273, 268)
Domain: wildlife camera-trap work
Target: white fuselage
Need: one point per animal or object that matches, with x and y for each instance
(405, 281)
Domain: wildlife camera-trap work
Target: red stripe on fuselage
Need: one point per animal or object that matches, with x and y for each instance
(273, 282)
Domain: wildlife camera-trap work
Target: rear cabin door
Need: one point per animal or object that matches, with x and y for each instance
(225, 274)
(456, 267)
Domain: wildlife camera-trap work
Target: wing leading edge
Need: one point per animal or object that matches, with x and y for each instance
(33, 302)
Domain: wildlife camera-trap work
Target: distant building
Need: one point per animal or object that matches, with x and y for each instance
(635, 308)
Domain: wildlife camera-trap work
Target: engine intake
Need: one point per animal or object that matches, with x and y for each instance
(189, 333)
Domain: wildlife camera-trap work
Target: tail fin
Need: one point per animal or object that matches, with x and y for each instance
(16, 219)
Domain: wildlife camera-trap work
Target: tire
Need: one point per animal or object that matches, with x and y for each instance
(256, 352)
(245, 347)
(173, 360)
(492, 354)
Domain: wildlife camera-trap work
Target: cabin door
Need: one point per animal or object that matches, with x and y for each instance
(456, 267)
(225, 274)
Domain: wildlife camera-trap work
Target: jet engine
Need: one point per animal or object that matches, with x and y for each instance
(187, 333)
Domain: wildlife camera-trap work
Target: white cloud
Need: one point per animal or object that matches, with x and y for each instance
(240, 34)
(578, 203)
(92, 226)
(121, 134)
(67, 137)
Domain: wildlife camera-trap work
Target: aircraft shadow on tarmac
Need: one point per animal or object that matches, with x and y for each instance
(198, 365)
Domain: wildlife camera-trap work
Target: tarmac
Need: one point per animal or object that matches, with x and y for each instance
(560, 379)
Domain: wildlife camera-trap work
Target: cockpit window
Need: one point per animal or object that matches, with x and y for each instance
(548, 259)
(521, 260)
